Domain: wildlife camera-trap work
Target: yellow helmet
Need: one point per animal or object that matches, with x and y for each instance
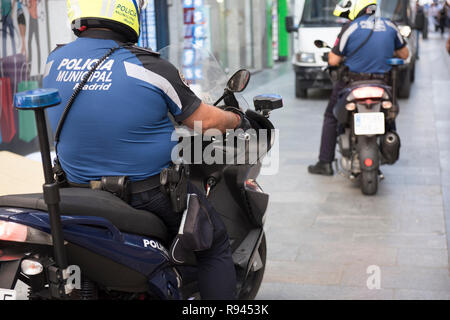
(351, 9)
(123, 16)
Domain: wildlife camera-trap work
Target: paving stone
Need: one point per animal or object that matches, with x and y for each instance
(405, 240)
(359, 223)
(286, 251)
(343, 255)
(303, 273)
(300, 216)
(400, 277)
(282, 291)
(435, 258)
(427, 221)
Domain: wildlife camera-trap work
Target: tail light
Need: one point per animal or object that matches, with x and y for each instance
(14, 232)
(387, 105)
(368, 92)
(350, 106)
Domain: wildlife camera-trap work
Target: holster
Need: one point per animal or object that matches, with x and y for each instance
(196, 233)
(339, 74)
(174, 181)
(60, 175)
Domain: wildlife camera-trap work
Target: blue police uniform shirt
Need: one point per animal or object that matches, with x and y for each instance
(119, 124)
(373, 56)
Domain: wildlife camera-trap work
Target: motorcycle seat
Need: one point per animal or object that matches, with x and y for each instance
(96, 203)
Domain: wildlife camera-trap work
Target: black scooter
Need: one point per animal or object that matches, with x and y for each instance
(47, 240)
(366, 112)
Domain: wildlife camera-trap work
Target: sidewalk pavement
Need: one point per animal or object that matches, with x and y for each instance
(323, 234)
(19, 175)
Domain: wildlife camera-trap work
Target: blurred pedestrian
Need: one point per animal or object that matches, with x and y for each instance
(7, 25)
(419, 24)
(426, 27)
(22, 26)
(442, 18)
(33, 30)
(434, 12)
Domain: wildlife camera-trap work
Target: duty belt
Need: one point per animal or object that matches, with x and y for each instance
(134, 186)
(367, 76)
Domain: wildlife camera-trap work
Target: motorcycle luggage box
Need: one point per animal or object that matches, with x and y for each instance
(96, 203)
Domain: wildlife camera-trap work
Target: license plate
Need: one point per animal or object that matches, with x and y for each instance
(7, 295)
(369, 123)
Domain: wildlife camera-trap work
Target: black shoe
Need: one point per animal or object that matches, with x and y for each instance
(322, 168)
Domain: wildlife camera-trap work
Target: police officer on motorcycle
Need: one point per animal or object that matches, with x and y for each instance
(119, 124)
(364, 45)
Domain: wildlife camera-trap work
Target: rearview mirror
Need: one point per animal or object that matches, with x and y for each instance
(290, 25)
(321, 44)
(239, 81)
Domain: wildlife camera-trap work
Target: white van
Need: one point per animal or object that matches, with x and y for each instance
(314, 20)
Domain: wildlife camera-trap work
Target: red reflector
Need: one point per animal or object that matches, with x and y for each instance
(368, 162)
(368, 92)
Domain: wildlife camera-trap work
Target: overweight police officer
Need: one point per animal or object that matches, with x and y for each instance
(364, 45)
(119, 123)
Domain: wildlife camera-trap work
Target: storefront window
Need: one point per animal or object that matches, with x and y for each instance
(25, 46)
(155, 25)
(148, 27)
(197, 24)
(232, 32)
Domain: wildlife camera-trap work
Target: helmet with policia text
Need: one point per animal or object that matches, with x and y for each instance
(123, 16)
(352, 9)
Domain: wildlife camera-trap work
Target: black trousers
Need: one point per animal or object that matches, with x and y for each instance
(216, 272)
(330, 127)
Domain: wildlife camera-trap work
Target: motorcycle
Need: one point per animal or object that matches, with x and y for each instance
(366, 111)
(76, 243)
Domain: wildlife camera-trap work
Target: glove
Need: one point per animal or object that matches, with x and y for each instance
(245, 123)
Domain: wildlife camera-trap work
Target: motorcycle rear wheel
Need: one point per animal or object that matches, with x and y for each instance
(369, 182)
(253, 282)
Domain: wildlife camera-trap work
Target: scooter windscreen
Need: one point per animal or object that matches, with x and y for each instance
(202, 72)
